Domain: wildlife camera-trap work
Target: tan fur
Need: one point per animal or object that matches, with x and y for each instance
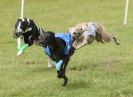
(102, 35)
(106, 36)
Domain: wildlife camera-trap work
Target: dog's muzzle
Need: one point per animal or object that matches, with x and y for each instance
(17, 33)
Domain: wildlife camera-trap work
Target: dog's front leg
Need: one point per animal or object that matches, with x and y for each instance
(75, 43)
(49, 62)
(19, 42)
(83, 43)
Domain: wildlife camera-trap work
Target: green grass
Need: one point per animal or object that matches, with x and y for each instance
(97, 70)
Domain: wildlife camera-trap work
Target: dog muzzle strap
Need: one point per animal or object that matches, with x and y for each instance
(23, 47)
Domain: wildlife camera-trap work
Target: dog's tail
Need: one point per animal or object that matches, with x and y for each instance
(115, 40)
(105, 35)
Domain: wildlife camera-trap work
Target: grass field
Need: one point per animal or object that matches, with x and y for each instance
(97, 70)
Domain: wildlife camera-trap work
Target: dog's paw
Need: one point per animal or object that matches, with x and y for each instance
(50, 65)
(65, 82)
(20, 53)
(59, 76)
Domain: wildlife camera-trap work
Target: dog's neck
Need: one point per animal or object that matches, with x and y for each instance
(35, 31)
(39, 32)
(54, 46)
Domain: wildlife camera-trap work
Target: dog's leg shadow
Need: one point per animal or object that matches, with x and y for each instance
(78, 85)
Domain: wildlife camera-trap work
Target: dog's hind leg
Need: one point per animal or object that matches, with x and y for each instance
(62, 71)
(66, 60)
(106, 36)
(65, 78)
(98, 37)
(61, 74)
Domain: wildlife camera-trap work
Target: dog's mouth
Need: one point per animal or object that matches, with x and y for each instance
(17, 35)
(76, 35)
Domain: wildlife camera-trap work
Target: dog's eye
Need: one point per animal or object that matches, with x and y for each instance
(74, 33)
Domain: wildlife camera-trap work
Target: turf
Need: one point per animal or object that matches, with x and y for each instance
(97, 70)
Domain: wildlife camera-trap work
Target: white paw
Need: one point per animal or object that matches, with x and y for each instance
(50, 65)
(19, 53)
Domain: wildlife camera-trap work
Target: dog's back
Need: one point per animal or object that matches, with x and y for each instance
(60, 45)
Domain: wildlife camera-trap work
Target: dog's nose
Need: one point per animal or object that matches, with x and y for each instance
(79, 34)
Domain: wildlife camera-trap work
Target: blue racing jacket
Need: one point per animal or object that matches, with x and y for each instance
(67, 39)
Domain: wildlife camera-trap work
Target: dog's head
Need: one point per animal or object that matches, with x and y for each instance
(22, 26)
(75, 31)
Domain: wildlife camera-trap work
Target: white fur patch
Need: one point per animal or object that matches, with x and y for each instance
(18, 28)
(19, 40)
(28, 21)
(28, 29)
(91, 30)
(23, 20)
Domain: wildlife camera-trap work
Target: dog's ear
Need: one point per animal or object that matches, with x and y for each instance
(28, 21)
(18, 20)
(31, 22)
(25, 19)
